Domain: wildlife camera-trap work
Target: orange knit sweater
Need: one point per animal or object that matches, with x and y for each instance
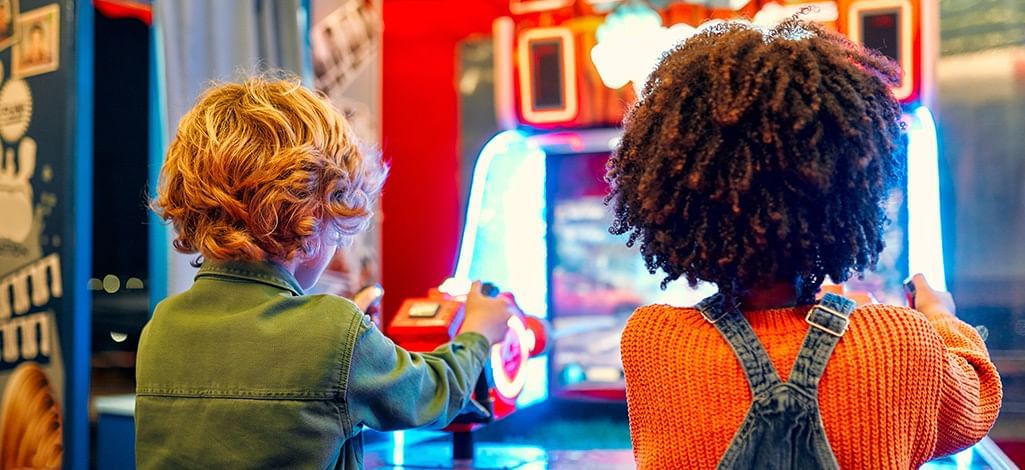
(901, 388)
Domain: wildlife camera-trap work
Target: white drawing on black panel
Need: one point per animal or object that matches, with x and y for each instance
(21, 216)
(16, 191)
(15, 110)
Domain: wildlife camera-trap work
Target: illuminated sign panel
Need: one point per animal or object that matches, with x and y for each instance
(548, 77)
(886, 27)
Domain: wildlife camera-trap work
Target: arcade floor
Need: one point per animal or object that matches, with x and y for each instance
(436, 455)
(571, 436)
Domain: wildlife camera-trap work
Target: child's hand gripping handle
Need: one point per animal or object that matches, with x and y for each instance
(479, 408)
(487, 313)
(925, 299)
(931, 302)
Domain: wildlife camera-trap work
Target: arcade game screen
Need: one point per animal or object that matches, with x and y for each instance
(596, 281)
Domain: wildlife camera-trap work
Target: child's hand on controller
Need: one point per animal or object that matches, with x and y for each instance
(488, 316)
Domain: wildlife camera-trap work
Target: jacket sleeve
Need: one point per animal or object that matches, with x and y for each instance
(389, 388)
(971, 391)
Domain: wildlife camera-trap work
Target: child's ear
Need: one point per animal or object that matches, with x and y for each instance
(309, 251)
(311, 248)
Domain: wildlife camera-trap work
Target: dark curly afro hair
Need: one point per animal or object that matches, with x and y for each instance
(760, 156)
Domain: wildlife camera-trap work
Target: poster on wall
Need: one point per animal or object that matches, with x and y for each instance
(34, 242)
(343, 43)
(355, 265)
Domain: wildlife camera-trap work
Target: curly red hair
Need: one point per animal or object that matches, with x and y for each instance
(259, 168)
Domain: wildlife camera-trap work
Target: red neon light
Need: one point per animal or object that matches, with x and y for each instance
(518, 7)
(883, 21)
(125, 9)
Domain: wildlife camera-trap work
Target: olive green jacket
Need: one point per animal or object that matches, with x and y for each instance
(245, 371)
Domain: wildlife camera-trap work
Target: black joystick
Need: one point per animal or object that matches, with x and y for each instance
(490, 289)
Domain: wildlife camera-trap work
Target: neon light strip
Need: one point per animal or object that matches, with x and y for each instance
(925, 235)
(569, 76)
(157, 231)
(928, 50)
(582, 141)
(503, 30)
(398, 451)
(494, 147)
(991, 453)
(527, 6)
(907, 37)
(592, 141)
(963, 459)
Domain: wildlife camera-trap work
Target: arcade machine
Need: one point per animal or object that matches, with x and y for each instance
(423, 324)
(562, 72)
(536, 223)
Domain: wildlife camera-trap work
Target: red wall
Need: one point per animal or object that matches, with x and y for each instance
(421, 222)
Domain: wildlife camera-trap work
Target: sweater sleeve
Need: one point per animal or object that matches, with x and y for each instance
(971, 391)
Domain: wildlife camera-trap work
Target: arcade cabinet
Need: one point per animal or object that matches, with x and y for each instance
(538, 187)
(536, 223)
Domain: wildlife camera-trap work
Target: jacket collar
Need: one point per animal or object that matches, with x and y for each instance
(268, 273)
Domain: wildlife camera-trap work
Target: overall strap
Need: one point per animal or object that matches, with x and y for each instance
(761, 375)
(828, 322)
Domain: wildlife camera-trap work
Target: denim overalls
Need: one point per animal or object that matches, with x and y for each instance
(783, 428)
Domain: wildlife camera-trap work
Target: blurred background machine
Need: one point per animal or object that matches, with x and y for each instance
(563, 79)
(563, 73)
